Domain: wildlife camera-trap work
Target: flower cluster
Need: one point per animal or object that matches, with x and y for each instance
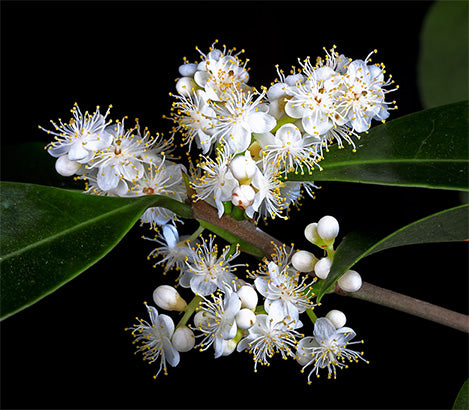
(117, 161)
(258, 137)
(250, 141)
(260, 315)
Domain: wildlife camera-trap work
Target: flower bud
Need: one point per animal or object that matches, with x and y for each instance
(183, 339)
(322, 268)
(243, 196)
(304, 261)
(328, 228)
(185, 86)
(248, 296)
(65, 167)
(337, 318)
(168, 298)
(245, 318)
(243, 168)
(311, 234)
(350, 281)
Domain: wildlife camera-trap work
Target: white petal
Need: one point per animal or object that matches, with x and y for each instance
(201, 78)
(77, 152)
(171, 235)
(261, 122)
(294, 109)
(107, 178)
(165, 325)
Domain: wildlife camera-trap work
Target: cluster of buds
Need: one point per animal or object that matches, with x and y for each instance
(323, 234)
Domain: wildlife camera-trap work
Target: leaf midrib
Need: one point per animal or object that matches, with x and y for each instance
(382, 161)
(66, 231)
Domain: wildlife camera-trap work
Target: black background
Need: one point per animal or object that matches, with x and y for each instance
(70, 349)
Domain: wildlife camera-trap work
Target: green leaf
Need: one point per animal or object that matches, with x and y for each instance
(443, 60)
(425, 149)
(450, 225)
(462, 399)
(50, 235)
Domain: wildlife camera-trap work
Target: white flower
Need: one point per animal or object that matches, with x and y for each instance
(217, 321)
(159, 180)
(289, 149)
(314, 100)
(217, 181)
(277, 93)
(155, 340)
(327, 348)
(267, 201)
(124, 158)
(248, 296)
(363, 95)
(270, 335)
(207, 271)
(193, 117)
(240, 116)
(284, 295)
(220, 73)
(174, 251)
(81, 137)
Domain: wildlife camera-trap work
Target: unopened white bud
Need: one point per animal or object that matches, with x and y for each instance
(245, 318)
(303, 359)
(304, 261)
(350, 281)
(183, 339)
(188, 70)
(337, 318)
(328, 228)
(229, 347)
(168, 298)
(243, 196)
(243, 168)
(248, 297)
(311, 233)
(185, 86)
(322, 268)
(65, 167)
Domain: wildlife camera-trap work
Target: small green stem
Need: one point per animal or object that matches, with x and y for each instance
(190, 309)
(282, 121)
(311, 315)
(196, 234)
(260, 310)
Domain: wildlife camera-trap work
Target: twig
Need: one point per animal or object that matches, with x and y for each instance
(247, 231)
(416, 307)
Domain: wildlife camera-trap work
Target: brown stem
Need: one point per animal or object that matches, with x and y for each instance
(245, 230)
(416, 307)
(248, 232)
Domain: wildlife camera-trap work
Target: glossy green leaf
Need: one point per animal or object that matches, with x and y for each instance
(425, 149)
(50, 235)
(444, 47)
(462, 399)
(450, 225)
